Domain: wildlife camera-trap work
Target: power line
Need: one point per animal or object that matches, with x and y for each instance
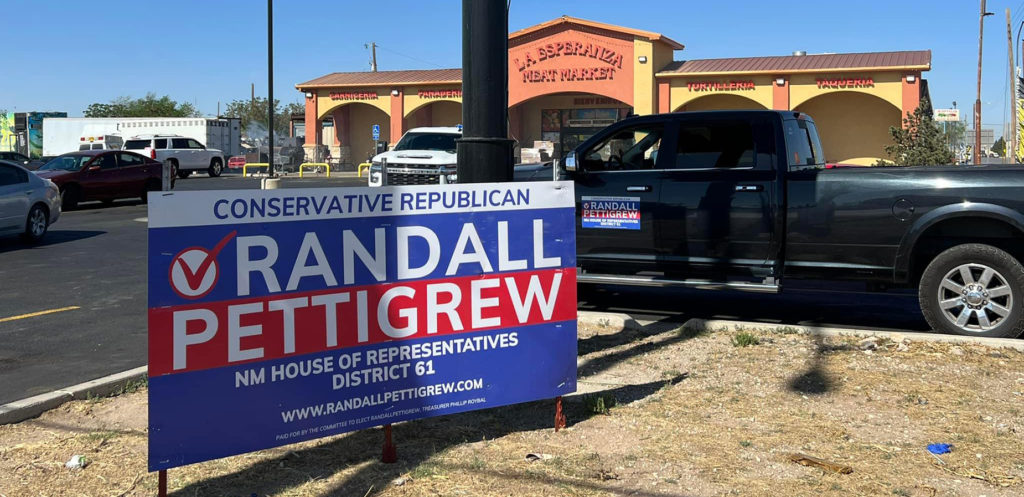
(410, 57)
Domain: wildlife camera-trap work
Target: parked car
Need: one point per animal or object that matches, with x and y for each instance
(104, 175)
(185, 155)
(35, 164)
(15, 157)
(28, 204)
(743, 200)
(237, 161)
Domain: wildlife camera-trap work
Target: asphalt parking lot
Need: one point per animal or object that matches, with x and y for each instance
(88, 282)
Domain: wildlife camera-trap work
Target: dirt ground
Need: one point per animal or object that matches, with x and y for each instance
(661, 412)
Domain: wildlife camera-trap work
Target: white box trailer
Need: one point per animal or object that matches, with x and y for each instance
(63, 135)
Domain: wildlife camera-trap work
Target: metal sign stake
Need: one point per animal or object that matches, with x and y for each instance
(161, 485)
(559, 414)
(390, 453)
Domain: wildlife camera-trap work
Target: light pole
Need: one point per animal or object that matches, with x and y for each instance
(977, 103)
(270, 85)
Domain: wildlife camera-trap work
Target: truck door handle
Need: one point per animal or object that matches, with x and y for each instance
(638, 188)
(749, 188)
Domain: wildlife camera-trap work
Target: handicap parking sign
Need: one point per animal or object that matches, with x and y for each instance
(376, 132)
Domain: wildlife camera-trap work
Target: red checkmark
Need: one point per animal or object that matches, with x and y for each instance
(195, 279)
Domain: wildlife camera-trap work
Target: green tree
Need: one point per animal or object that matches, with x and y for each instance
(999, 147)
(253, 114)
(919, 142)
(147, 106)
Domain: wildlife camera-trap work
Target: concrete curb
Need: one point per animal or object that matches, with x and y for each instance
(624, 321)
(31, 407)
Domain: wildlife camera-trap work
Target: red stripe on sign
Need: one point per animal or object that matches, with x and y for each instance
(217, 334)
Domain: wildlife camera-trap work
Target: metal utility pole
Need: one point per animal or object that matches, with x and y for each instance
(1011, 147)
(977, 103)
(269, 83)
(373, 56)
(484, 151)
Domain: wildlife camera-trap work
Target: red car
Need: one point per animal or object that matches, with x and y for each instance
(104, 175)
(236, 161)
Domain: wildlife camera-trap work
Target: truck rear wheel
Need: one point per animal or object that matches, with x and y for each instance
(974, 290)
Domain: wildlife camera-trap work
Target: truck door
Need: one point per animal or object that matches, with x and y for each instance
(718, 200)
(616, 194)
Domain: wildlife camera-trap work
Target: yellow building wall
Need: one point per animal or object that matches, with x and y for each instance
(853, 126)
(681, 95)
(447, 113)
(411, 101)
(887, 86)
(644, 90)
(363, 118)
(324, 104)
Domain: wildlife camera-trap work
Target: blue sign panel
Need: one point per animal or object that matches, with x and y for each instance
(376, 132)
(278, 316)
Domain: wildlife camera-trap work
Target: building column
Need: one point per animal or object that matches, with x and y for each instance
(911, 93)
(664, 96)
(313, 127)
(397, 114)
(780, 94)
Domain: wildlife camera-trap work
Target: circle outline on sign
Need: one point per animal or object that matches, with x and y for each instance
(214, 266)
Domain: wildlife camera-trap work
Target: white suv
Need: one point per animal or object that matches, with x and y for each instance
(185, 155)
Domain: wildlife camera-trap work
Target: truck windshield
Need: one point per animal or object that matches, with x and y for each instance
(427, 141)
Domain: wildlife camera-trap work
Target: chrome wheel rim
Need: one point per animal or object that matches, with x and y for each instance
(216, 167)
(975, 297)
(38, 223)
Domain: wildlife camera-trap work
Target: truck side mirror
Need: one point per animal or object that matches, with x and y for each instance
(570, 162)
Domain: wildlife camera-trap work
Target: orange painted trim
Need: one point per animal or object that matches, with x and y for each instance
(911, 94)
(780, 95)
(664, 97)
(397, 113)
(829, 70)
(650, 35)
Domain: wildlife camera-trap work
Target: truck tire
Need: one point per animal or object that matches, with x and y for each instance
(974, 290)
(216, 167)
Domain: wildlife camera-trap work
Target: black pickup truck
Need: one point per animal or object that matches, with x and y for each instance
(744, 200)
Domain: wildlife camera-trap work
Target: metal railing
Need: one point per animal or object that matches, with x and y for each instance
(324, 165)
(366, 166)
(254, 165)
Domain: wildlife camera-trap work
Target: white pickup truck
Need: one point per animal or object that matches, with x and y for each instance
(185, 155)
(424, 156)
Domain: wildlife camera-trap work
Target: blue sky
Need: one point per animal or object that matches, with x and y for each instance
(64, 55)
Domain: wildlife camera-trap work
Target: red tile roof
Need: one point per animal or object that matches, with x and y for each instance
(385, 78)
(920, 60)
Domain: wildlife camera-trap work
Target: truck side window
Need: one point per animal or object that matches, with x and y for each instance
(160, 144)
(802, 141)
(716, 145)
(628, 149)
(179, 143)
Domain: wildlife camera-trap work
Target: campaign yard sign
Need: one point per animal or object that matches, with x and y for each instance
(277, 316)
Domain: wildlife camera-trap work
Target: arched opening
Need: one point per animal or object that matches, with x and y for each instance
(853, 126)
(440, 113)
(548, 126)
(350, 135)
(723, 101)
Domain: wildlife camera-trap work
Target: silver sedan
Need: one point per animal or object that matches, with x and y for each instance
(28, 204)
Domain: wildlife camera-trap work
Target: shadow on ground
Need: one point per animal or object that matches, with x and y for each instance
(420, 440)
(54, 237)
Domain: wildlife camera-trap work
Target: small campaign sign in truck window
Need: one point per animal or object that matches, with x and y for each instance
(277, 316)
(611, 212)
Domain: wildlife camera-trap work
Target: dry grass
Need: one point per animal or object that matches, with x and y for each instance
(690, 414)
